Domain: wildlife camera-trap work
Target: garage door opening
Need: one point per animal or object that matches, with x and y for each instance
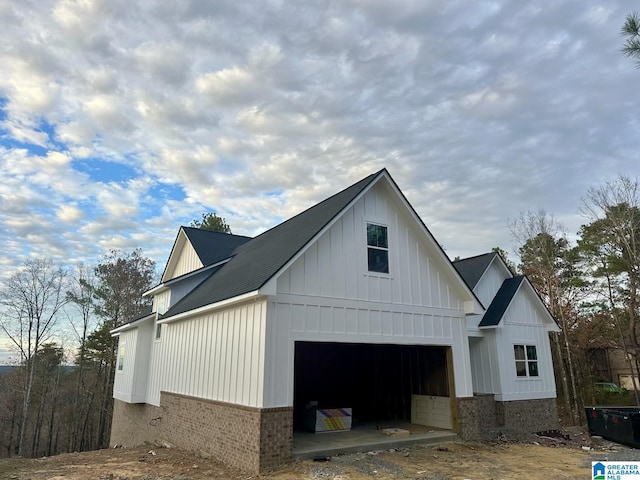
(373, 383)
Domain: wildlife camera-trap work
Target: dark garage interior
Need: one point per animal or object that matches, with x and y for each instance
(376, 381)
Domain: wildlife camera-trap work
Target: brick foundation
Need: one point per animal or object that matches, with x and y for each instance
(248, 438)
(528, 415)
(467, 418)
(135, 424)
(482, 418)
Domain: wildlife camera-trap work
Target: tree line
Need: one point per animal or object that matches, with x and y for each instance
(50, 403)
(590, 285)
(55, 401)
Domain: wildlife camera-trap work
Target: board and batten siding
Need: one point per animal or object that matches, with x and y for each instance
(130, 383)
(188, 261)
(161, 301)
(335, 266)
(294, 318)
(485, 366)
(123, 380)
(217, 356)
(524, 325)
(490, 283)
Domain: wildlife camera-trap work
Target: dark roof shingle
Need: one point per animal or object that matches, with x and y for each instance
(257, 260)
(213, 247)
(471, 269)
(501, 302)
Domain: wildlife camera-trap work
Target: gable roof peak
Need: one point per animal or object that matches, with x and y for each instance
(471, 269)
(258, 259)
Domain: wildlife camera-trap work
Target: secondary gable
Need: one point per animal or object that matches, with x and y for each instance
(183, 258)
(491, 281)
(526, 309)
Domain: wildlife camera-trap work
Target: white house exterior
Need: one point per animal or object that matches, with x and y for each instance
(509, 344)
(328, 306)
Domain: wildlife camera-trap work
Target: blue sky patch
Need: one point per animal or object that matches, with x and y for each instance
(105, 171)
(169, 191)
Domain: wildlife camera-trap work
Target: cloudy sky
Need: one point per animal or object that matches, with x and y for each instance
(120, 120)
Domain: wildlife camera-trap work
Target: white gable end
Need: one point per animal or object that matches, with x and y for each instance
(526, 308)
(491, 281)
(183, 259)
(336, 264)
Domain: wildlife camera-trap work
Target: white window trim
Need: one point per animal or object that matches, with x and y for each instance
(157, 333)
(526, 344)
(121, 357)
(368, 272)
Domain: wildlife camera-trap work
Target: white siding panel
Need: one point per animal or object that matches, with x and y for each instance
(130, 383)
(162, 301)
(123, 382)
(490, 283)
(335, 266)
(484, 364)
(217, 356)
(188, 261)
(519, 388)
(355, 322)
(524, 325)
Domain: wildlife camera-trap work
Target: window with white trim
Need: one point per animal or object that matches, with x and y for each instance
(161, 308)
(526, 360)
(377, 248)
(121, 358)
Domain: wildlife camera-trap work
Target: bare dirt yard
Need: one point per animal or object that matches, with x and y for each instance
(502, 459)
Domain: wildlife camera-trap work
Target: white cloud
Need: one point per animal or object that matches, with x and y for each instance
(69, 214)
(478, 111)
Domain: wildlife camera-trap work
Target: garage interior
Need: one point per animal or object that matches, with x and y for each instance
(378, 382)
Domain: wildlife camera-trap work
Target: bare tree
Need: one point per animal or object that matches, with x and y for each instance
(30, 301)
(614, 238)
(80, 296)
(547, 260)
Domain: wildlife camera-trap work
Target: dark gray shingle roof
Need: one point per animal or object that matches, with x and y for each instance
(501, 301)
(472, 268)
(257, 260)
(213, 247)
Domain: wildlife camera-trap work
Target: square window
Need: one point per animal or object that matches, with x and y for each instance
(378, 260)
(377, 236)
(526, 357)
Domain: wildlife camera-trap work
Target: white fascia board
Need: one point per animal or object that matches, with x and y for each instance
(178, 243)
(491, 327)
(165, 285)
(255, 295)
(155, 290)
(128, 326)
(552, 325)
